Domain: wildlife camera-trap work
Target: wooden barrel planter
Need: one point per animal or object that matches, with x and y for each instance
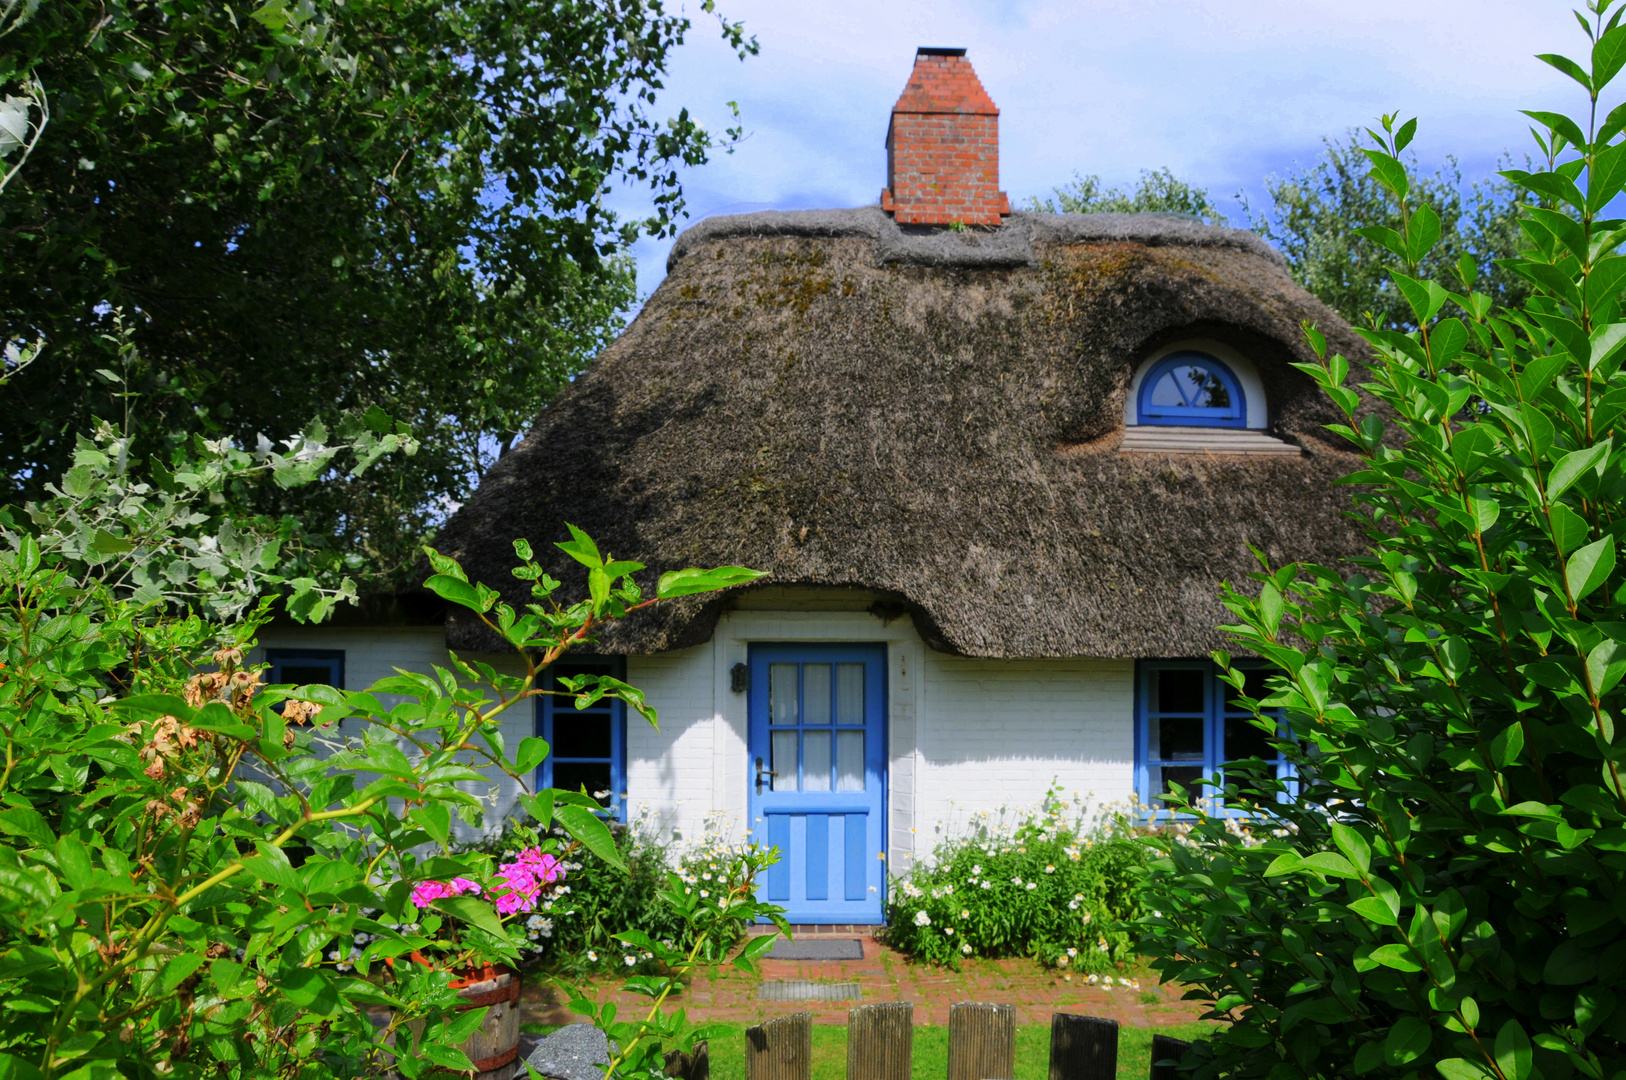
(493, 1048)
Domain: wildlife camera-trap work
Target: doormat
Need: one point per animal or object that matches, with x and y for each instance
(802, 990)
(817, 949)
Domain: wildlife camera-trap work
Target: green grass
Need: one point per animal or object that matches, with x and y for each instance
(930, 1060)
(931, 1051)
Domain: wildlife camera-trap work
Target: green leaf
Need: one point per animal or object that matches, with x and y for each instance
(472, 910)
(589, 830)
(1574, 71)
(106, 543)
(1590, 567)
(1513, 1054)
(156, 705)
(1572, 465)
(1560, 123)
(1422, 233)
(1462, 1069)
(1353, 845)
(1374, 910)
(1398, 957)
(1408, 1040)
(690, 581)
(1329, 864)
(581, 548)
(458, 592)
(531, 752)
(1571, 964)
(311, 990)
(271, 865)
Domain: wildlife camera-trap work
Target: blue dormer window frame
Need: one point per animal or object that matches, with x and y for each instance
(1195, 409)
(1183, 716)
(584, 743)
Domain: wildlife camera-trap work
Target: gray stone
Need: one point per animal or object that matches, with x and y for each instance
(574, 1052)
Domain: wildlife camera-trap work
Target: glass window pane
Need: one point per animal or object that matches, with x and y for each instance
(580, 735)
(850, 758)
(849, 693)
(784, 759)
(1244, 740)
(815, 761)
(1166, 393)
(1176, 690)
(815, 693)
(1184, 775)
(1176, 739)
(593, 775)
(291, 671)
(1204, 389)
(782, 694)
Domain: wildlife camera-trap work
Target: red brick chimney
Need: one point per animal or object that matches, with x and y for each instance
(942, 146)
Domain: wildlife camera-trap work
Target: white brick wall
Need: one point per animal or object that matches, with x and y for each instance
(963, 735)
(997, 733)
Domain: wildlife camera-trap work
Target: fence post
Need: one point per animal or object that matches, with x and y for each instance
(880, 1041)
(1165, 1048)
(1083, 1048)
(780, 1049)
(982, 1041)
(695, 1066)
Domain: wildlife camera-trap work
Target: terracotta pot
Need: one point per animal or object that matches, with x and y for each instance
(495, 1046)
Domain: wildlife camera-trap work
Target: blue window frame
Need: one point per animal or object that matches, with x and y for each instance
(587, 748)
(304, 667)
(1191, 389)
(1187, 725)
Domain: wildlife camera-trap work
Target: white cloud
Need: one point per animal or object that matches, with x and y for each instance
(1224, 92)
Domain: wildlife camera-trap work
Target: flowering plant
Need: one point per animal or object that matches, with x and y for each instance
(1056, 883)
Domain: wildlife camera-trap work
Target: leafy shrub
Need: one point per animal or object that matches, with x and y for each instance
(1053, 884)
(1443, 890)
(152, 921)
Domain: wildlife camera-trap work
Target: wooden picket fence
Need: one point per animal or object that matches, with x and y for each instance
(982, 1046)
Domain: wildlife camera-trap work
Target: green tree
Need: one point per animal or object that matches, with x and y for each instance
(1441, 889)
(306, 209)
(1315, 216)
(1157, 192)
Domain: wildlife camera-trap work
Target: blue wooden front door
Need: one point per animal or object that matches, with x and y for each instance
(818, 778)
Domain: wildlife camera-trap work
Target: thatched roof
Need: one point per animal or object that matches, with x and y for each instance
(936, 418)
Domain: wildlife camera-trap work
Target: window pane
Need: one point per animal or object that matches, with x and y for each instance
(305, 674)
(594, 775)
(1166, 394)
(783, 747)
(849, 693)
(1204, 389)
(816, 761)
(580, 735)
(1244, 740)
(850, 757)
(1176, 739)
(815, 693)
(1184, 775)
(782, 694)
(1177, 690)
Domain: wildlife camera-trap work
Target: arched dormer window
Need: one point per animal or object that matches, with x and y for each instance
(1192, 389)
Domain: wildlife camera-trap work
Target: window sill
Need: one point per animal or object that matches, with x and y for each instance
(1246, 442)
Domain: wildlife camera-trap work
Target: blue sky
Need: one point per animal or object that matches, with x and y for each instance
(1223, 92)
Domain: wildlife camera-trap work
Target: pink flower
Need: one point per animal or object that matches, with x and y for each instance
(426, 892)
(524, 879)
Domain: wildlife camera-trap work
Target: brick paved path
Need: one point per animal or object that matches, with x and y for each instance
(886, 975)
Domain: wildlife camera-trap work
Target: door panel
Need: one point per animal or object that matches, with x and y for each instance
(818, 777)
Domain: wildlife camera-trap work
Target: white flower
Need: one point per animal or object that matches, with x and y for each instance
(949, 930)
(704, 894)
(1072, 905)
(1157, 914)
(1050, 869)
(922, 919)
(965, 913)
(1093, 979)
(988, 884)
(1072, 952)
(593, 956)
(976, 870)
(1016, 881)
(1032, 885)
(1061, 961)
(630, 960)
(1086, 916)
(966, 948)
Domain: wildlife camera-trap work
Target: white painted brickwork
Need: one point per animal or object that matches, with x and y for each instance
(963, 735)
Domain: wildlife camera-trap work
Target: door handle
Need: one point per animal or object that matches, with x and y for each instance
(761, 772)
